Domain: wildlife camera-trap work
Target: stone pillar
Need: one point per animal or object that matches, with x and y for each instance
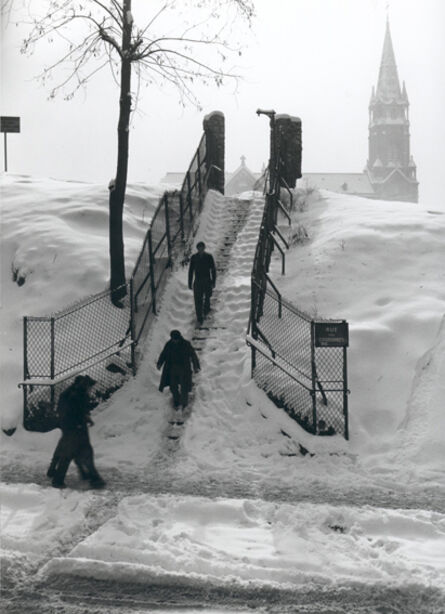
(215, 143)
(288, 146)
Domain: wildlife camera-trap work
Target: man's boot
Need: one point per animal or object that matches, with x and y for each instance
(97, 482)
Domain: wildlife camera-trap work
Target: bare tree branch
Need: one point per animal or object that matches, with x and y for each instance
(110, 13)
(107, 36)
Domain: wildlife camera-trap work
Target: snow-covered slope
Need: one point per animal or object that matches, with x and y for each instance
(359, 519)
(381, 266)
(377, 264)
(54, 239)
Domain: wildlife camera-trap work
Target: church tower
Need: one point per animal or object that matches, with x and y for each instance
(390, 167)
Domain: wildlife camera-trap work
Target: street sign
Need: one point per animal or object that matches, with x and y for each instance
(9, 124)
(331, 334)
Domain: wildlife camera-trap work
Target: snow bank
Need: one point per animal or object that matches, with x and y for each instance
(379, 265)
(422, 432)
(38, 520)
(55, 252)
(235, 434)
(230, 542)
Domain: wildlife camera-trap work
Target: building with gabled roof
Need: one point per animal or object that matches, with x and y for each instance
(241, 180)
(355, 184)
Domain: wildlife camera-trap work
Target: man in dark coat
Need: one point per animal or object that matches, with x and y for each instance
(73, 408)
(202, 268)
(178, 357)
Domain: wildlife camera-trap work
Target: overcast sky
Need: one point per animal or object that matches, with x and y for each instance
(316, 59)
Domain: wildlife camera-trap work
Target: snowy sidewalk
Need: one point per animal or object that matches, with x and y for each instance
(200, 551)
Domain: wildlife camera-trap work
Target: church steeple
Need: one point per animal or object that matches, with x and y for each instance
(388, 86)
(391, 168)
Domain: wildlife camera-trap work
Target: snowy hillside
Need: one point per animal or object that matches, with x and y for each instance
(231, 499)
(377, 264)
(381, 266)
(54, 252)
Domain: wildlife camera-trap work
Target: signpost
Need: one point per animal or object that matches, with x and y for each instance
(331, 334)
(9, 124)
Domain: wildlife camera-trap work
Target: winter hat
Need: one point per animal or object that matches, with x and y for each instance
(175, 334)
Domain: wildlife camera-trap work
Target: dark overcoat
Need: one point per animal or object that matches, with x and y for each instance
(202, 268)
(73, 408)
(182, 353)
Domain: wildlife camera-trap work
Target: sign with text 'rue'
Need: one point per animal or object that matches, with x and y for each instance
(9, 124)
(331, 334)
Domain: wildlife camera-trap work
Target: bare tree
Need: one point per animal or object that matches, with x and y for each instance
(99, 33)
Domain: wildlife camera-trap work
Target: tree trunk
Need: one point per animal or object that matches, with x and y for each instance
(118, 188)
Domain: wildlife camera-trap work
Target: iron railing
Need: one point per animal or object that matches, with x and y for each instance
(307, 380)
(96, 337)
(172, 226)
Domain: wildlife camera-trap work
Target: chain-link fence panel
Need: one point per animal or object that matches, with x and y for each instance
(142, 290)
(287, 331)
(39, 412)
(331, 390)
(176, 229)
(37, 339)
(87, 330)
(283, 389)
(41, 400)
(296, 365)
(158, 226)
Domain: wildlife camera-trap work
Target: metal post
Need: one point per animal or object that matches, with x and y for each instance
(167, 229)
(345, 393)
(189, 196)
(25, 364)
(152, 272)
(181, 215)
(313, 370)
(253, 354)
(132, 332)
(199, 178)
(6, 154)
(52, 366)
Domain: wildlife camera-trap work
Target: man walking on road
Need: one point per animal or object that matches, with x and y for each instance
(202, 269)
(73, 408)
(178, 357)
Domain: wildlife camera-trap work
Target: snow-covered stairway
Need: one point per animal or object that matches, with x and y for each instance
(219, 229)
(229, 227)
(224, 356)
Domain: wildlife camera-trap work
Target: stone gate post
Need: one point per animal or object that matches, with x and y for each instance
(214, 124)
(288, 145)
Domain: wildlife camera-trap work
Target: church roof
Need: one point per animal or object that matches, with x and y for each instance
(241, 180)
(344, 183)
(388, 178)
(388, 86)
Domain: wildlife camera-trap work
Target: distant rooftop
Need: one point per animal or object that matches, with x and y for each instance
(346, 183)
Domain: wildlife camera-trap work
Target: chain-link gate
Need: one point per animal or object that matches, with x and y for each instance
(308, 382)
(91, 336)
(299, 362)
